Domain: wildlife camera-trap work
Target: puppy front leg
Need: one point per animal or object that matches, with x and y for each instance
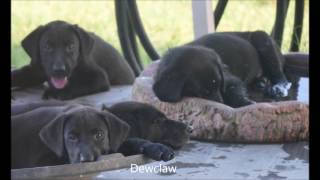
(27, 76)
(272, 61)
(155, 151)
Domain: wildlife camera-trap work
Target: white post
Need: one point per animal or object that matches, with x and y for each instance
(203, 21)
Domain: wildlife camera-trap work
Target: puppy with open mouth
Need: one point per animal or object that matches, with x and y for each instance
(73, 61)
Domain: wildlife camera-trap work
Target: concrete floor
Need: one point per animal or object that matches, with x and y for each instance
(200, 160)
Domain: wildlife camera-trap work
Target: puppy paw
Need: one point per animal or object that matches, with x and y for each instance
(261, 84)
(279, 90)
(243, 102)
(249, 101)
(64, 96)
(158, 151)
(47, 94)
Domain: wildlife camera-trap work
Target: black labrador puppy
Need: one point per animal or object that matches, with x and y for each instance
(54, 133)
(73, 61)
(220, 67)
(148, 123)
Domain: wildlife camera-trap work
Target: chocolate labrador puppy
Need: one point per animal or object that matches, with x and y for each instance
(220, 67)
(148, 123)
(52, 133)
(73, 61)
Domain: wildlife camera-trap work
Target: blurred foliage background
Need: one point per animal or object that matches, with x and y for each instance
(167, 23)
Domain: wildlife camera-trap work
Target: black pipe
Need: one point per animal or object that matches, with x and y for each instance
(296, 63)
(281, 13)
(121, 18)
(297, 27)
(218, 12)
(133, 42)
(135, 18)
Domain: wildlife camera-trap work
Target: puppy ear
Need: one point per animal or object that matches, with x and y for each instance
(118, 130)
(223, 84)
(170, 91)
(31, 44)
(220, 66)
(52, 135)
(86, 41)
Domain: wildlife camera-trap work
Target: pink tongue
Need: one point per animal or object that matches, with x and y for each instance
(59, 83)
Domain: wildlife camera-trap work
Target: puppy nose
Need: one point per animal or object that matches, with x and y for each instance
(189, 129)
(59, 68)
(86, 157)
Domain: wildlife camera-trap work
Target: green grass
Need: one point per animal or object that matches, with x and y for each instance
(167, 23)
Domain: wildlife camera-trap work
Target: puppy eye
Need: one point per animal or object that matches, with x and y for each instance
(70, 47)
(99, 136)
(157, 120)
(72, 137)
(47, 48)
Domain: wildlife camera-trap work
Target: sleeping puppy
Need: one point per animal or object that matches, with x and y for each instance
(220, 67)
(148, 123)
(73, 61)
(53, 135)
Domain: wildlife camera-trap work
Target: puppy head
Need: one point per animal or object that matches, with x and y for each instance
(174, 133)
(189, 71)
(57, 48)
(153, 124)
(83, 134)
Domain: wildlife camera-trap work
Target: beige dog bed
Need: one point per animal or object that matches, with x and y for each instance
(262, 122)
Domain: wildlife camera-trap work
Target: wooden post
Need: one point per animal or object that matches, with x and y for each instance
(203, 21)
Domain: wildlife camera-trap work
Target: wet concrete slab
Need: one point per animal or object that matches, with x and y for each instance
(114, 95)
(199, 160)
